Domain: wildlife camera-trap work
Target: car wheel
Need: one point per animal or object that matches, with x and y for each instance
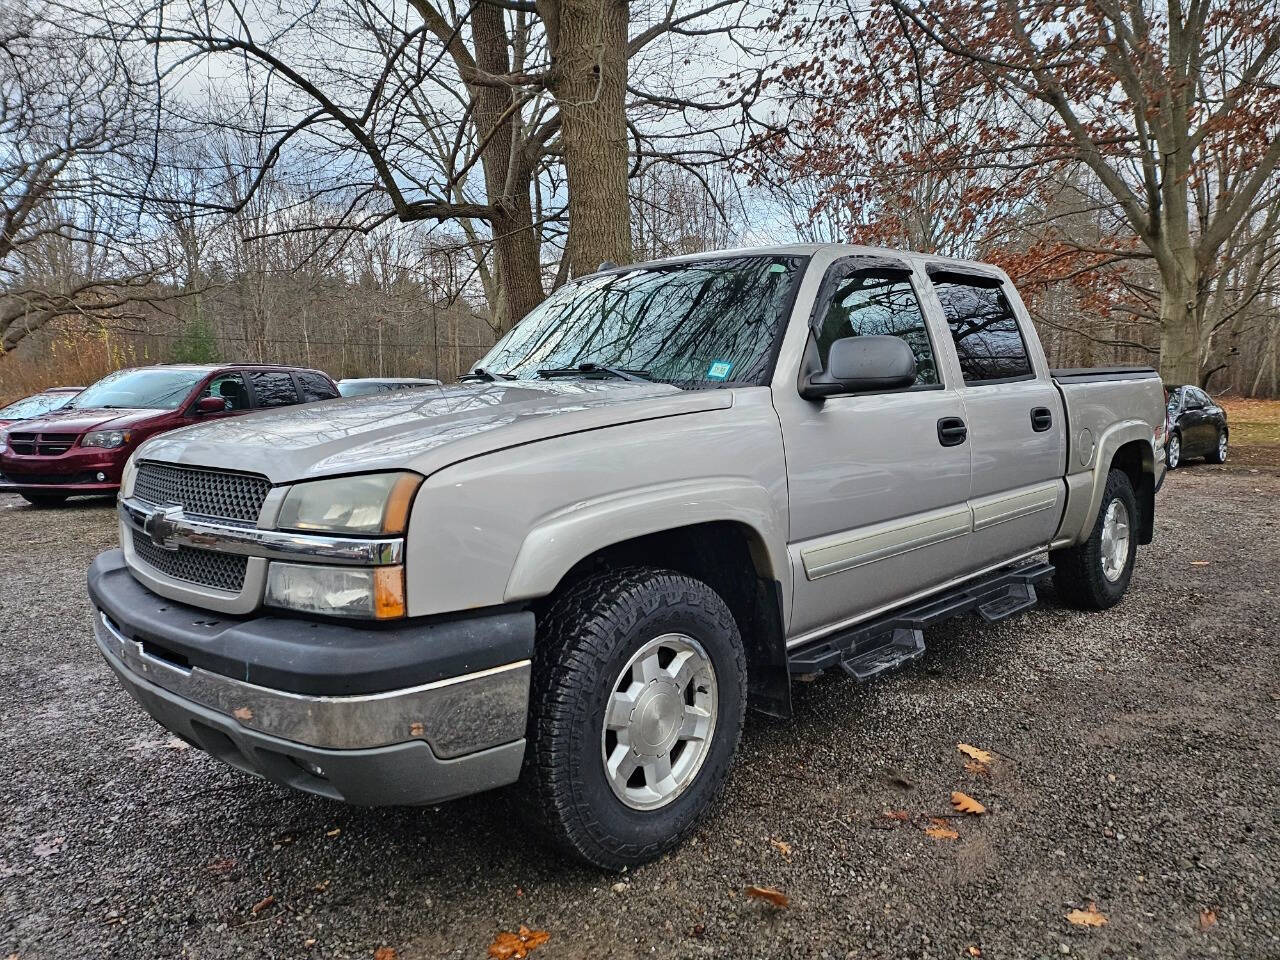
(1219, 453)
(44, 500)
(640, 687)
(1173, 452)
(1095, 574)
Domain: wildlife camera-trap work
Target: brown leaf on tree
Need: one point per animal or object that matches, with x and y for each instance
(1087, 918)
(385, 953)
(941, 833)
(1207, 918)
(507, 945)
(966, 804)
(768, 894)
(262, 904)
(782, 847)
(973, 753)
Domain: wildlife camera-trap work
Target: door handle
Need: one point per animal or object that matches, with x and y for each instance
(952, 431)
(1041, 419)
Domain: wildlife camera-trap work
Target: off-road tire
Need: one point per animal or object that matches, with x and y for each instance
(584, 641)
(45, 500)
(1216, 455)
(1078, 575)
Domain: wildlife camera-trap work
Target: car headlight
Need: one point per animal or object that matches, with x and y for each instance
(373, 503)
(105, 438)
(370, 592)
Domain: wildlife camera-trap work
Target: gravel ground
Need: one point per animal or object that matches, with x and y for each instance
(1138, 765)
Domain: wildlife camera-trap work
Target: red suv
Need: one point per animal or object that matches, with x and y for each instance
(82, 448)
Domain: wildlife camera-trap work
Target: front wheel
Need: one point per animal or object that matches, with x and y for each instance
(1095, 574)
(639, 695)
(1219, 452)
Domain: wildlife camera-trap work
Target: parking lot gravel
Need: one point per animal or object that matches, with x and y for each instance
(1136, 769)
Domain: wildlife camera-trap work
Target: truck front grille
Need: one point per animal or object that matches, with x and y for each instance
(203, 492)
(222, 571)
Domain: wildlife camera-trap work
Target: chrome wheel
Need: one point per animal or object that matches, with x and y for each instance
(659, 721)
(1174, 454)
(1115, 540)
(1222, 447)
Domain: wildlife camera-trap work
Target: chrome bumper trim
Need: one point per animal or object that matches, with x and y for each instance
(169, 528)
(455, 716)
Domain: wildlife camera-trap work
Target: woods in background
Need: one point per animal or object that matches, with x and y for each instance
(378, 188)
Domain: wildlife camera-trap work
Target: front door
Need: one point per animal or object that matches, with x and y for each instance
(877, 493)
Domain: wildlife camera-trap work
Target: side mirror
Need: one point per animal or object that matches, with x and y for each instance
(211, 405)
(858, 364)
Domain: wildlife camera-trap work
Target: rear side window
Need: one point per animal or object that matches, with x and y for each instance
(315, 386)
(985, 331)
(877, 304)
(273, 389)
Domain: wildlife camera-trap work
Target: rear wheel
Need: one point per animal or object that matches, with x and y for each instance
(639, 696)
(1219, 453)
(45, 499)
(1173, 453)
(1095, 574)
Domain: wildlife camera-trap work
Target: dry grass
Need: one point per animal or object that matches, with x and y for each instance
(69, 361)
(1255, 430)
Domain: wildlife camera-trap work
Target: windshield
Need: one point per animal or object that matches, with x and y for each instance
(707, 323)
(36, 406)
(360, 388)
(152, 389)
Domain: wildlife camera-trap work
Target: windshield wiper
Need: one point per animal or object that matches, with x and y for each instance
(482, 375)
(635, 376)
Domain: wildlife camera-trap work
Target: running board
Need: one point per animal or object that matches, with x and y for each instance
(870, 649)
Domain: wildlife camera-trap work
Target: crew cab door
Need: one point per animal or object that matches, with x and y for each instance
(878, 481)
(1016, 423)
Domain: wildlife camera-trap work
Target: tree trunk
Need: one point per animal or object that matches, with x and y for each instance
(1179, 330)
(588, 40)
(515, 244)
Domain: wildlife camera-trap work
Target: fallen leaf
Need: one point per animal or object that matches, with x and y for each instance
(1200, 563)
(782, 847)
(242, 713)
(973, 753)
(973, 950)
(977, 768)
(385, 953)
(1207, 918)
(309, 942)
(47, 848)
(1087, 918)
(507, 945)
(321, 887)
(221, 865)
(941, 833)
(262, 904)
(334, 832)
(966, 804)
(174, 743)
(416, 729)
(897, 815)
(770, 895)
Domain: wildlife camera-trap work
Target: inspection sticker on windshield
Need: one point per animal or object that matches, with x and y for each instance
(719, 370)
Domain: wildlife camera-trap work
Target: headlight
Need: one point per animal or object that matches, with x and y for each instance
(105, 438)
(375, 503)
(376, 592)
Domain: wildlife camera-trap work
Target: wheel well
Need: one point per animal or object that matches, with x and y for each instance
(731, 559)
(1135, 458)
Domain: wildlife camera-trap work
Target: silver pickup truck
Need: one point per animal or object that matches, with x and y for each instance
(669, 489)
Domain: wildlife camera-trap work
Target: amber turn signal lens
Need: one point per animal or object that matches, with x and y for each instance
(388, 592)
(395, 519)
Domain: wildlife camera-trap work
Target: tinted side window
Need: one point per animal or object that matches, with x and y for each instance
(985, 332)
(870, 304)
(315, 386)
(273, 389)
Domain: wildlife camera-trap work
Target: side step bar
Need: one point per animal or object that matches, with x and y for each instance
(872, 648)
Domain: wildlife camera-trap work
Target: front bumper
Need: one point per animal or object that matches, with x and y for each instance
(458, 729)
(74, 473)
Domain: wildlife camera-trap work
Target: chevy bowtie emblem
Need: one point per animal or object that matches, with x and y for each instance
(162, 525)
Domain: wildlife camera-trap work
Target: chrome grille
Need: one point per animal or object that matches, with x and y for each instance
(222, 571)
(203, 492)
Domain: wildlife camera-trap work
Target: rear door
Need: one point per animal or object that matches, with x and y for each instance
(877, 499)
(1014, 414)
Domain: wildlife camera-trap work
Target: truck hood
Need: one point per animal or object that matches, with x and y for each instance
(422, 430)
(78, 421)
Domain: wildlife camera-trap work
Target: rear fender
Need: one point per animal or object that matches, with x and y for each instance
(1085, 487)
